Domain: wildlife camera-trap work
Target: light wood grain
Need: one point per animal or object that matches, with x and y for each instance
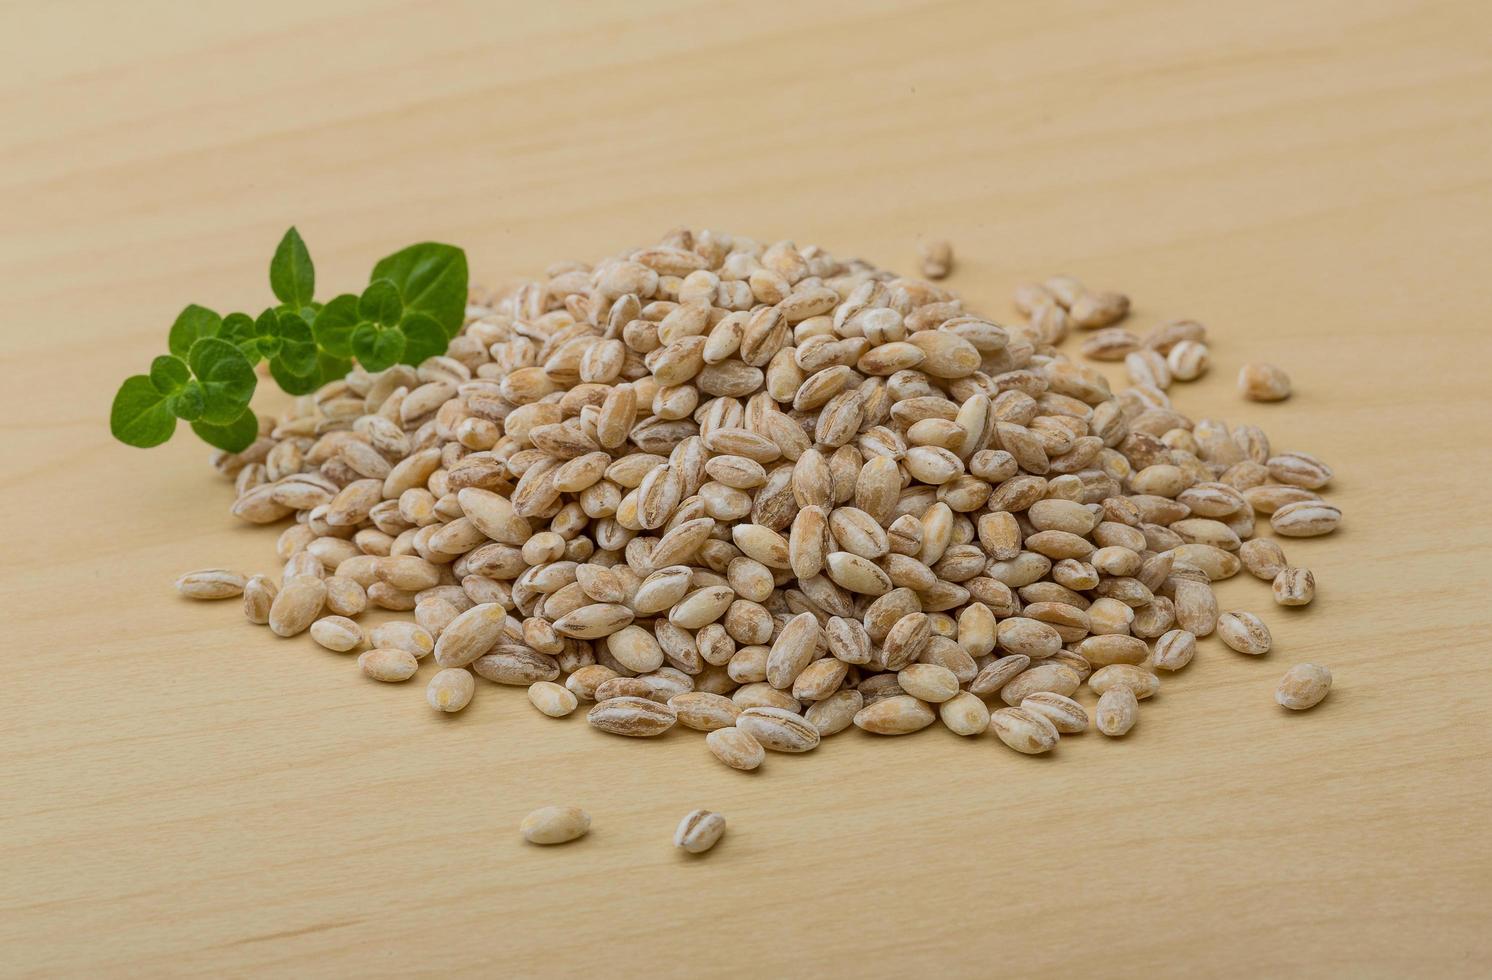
(185, 794)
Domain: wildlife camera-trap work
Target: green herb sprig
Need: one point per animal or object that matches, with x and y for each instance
(415, 302)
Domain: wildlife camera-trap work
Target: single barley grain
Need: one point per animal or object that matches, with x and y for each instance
(899, 714)
(390, 666)
(345, 597)
(835, 713)
(1299, 469)
(1263, 558)
(1174, 649)
(1065, 714)
(1113, 648)
(636, 717)
(964, 714)
(704, 711)
(211, 583)
(1111, 344)
(778, 729)
(928, 682)
(1294, 587)
(258, 598)
(470, 635)
(1140, 681)
(400, 635)
(1196, 607)
(551, 699)
(1266, 498)
(699, 831)
(1089, 310)
(1027, 731)
(1263, 383)
(1117, 711)
(1188, 360)
(555, 825)
(736, 748)
(936, 258)
(1305, 519)
(1056, 677)
(1244, 632)
(451, 689)
(587, 680)
(296, 606)
(337, 633)
(997, 673)
(1303, 686)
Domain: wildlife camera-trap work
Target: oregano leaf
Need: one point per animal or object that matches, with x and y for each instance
(189, 403)
(380, 303)
(291, 274)
(432, 279)
(168, 373)
(375, 347)
(239, 330)
(363, 337)
(390, 345)
(292, 382)
(332, 368)
(226, 376)
(234, 437)
(334, 324)
(414, 303)
(423, 338)
(192, 324)
(297, 345)
(267, 330)
(139, 415)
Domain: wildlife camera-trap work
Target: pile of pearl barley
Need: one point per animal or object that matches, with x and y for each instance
(767, 494)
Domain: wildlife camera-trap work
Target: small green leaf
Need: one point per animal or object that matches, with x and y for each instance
(139, 415)
(189, 403)
(238, 330)
(390, 345)
(168, 373)
(332, 368)
(423, 338)
(432, 278)
(334, 323)
(292, 383)
(267, 329)
(377, 347)
(306, 313)
(380, 303)
(297, 345)
(291, 274)
(234, 437)
(192, 324)
(227, 379)
(364, 336)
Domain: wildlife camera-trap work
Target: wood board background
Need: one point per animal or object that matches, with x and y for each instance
(183, 794)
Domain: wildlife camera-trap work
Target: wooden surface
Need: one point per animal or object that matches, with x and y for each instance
(184, 794)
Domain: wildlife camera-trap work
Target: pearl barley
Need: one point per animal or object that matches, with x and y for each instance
(555, 825)
(1303, 686)
(1263, 383)
(757, 492)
